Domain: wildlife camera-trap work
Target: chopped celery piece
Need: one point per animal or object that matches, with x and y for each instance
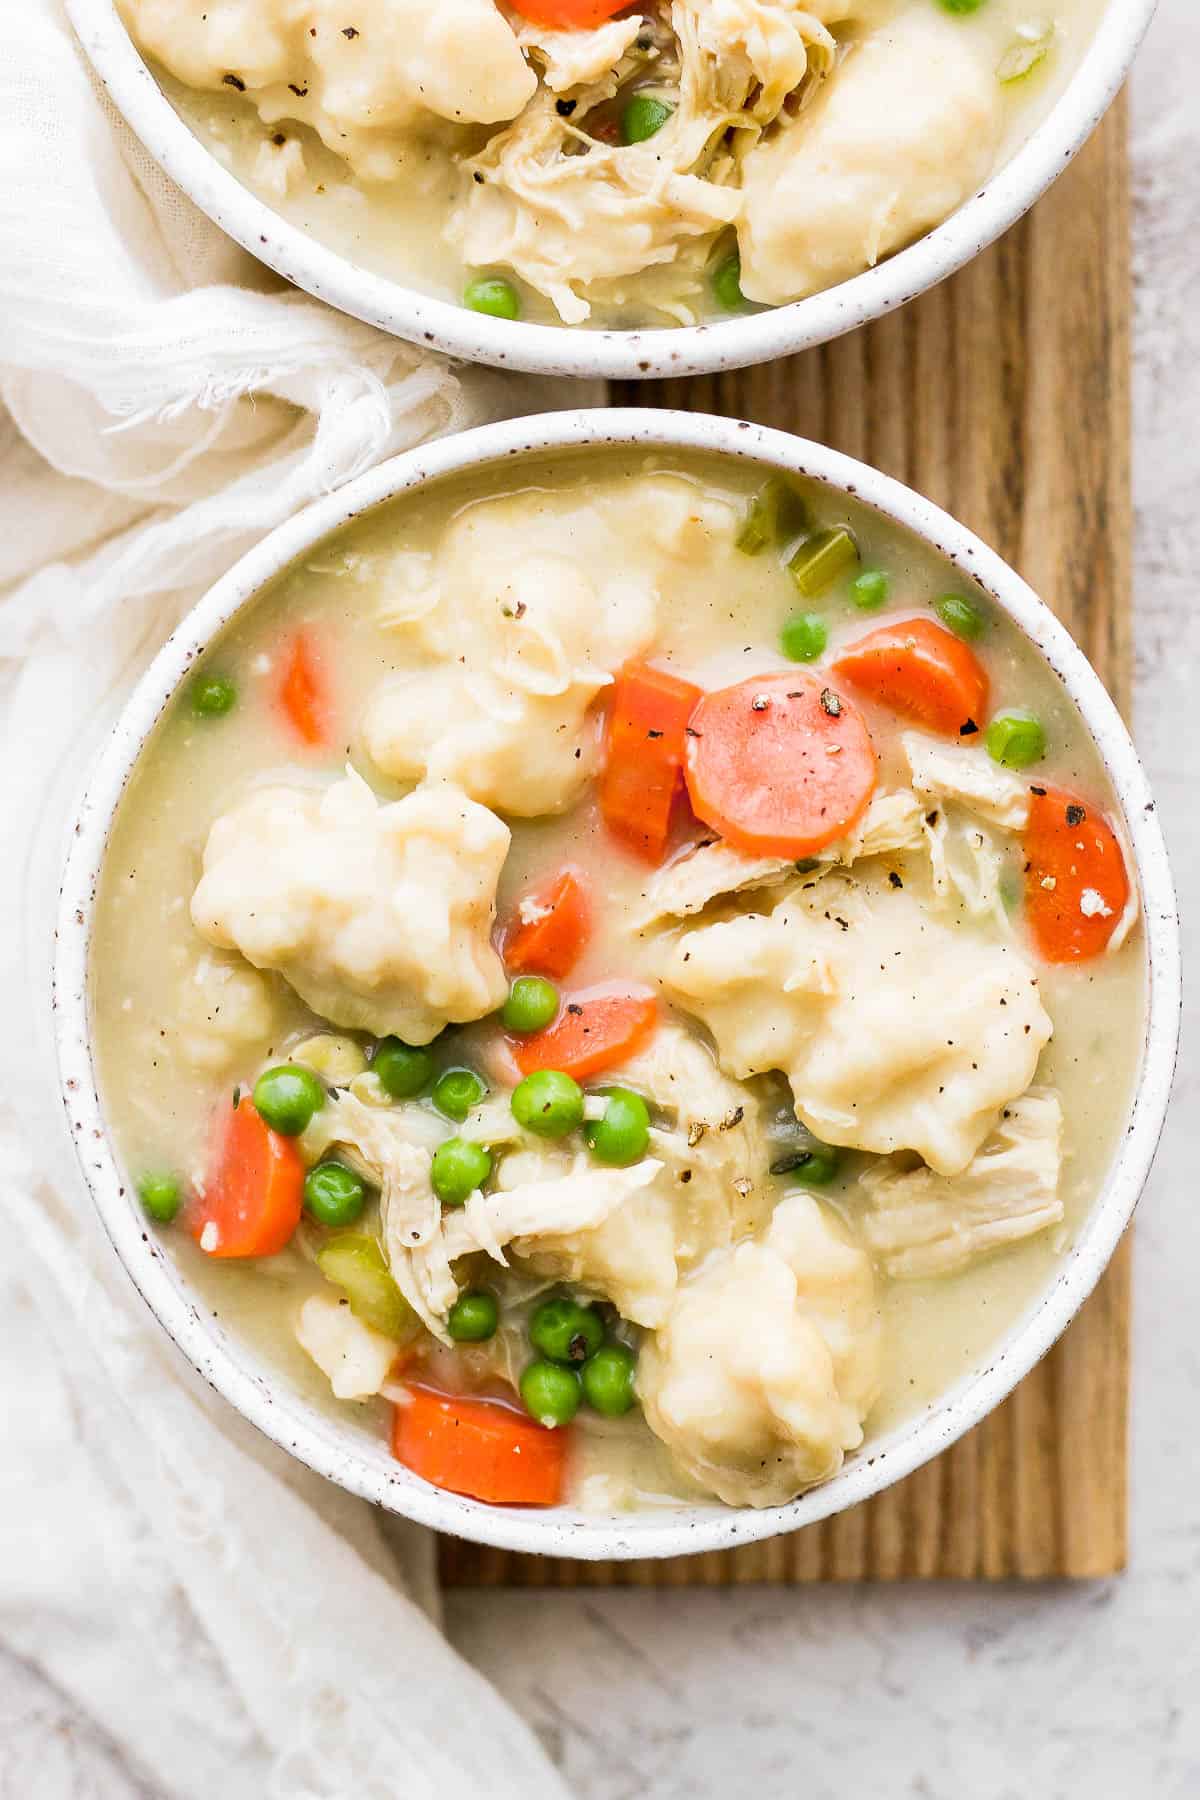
(822, 558)
(1025, 55)
(775, 514)
(1016, 739)
(355, 1263)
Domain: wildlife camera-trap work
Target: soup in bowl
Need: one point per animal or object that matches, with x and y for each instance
(627, 972)
(624, 171)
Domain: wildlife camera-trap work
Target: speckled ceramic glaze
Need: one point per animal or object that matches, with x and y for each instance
(342, 1452)
(563, 350)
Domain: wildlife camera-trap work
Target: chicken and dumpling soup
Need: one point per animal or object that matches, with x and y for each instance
(621, 973)
(588, 162)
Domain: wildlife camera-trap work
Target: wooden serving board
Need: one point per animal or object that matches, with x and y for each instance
(1004, 396)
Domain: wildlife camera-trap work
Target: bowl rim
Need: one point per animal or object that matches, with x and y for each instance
(363, 1466)
(629, 355)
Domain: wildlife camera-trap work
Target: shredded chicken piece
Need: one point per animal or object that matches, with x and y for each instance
(920, 1224)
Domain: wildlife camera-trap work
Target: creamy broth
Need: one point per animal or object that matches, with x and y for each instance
(417, 223)
(719, 618)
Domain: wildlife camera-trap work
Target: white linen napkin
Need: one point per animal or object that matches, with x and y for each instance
(238, 1626)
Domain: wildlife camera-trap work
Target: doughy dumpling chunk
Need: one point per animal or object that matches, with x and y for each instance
(904, 132)
(920, 1224)
(896, 1031)
(356, 1359)
(378, 916)
(539, 599)
(223, 1010)
(760, 1379)
(363, 79)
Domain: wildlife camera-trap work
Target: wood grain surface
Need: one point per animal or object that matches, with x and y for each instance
(1004, 396)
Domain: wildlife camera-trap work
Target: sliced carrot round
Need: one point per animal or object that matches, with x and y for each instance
(595, 1030)
(780, 765)
(550, 927)
(481, 1448)
(922, 671)
(250, 1200)
(569, 15)
(1076, 882)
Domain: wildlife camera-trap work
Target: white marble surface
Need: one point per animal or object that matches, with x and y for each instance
(935, 1692)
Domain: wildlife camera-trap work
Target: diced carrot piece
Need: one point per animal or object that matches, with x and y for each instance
(595, 1030)
(250, 1201)
(645, 744)
(481, 1448)
(922, 671)
(1076, 882)
(550, 927)
(569, 15)
(303, 692)
(780, 765)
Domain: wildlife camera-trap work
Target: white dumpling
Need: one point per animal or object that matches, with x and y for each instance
(760, 1379)
(356, 1359)
(919, 1224)
(531, 605)
(378, 915)
(896, 1031)
(224, 1011)
(365, 81)
(906, 129)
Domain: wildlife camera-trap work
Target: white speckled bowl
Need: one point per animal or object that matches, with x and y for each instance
(562, 350)
(342, 1451)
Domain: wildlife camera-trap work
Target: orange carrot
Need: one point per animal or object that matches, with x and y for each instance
(1076, 883)
(922, 671)
(481, 1448)
(550, 927)
(568, 15)
(250, 1202)
(303, 694)
(644, 754)
(595, 1030)
(780, 765)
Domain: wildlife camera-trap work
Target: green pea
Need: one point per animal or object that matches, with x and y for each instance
(531, 1005)
(869, 590)
(960, 615)
(287, 1097)
(458, 1169)
(804, 637)
(457, 1091)
(726, 283)
(334, 1194)
(961, 7)
(1016, 739)
(402, 1069)
(775, 514)
(607, 1379)
(548, 1103)
(160, 1197)
(812, 1162)
(551, 1394)
(493, 295)
(643, 117)
(212, 696)
(621, 1136)
(565, 1332)
(473, 1318)
(821, 559)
